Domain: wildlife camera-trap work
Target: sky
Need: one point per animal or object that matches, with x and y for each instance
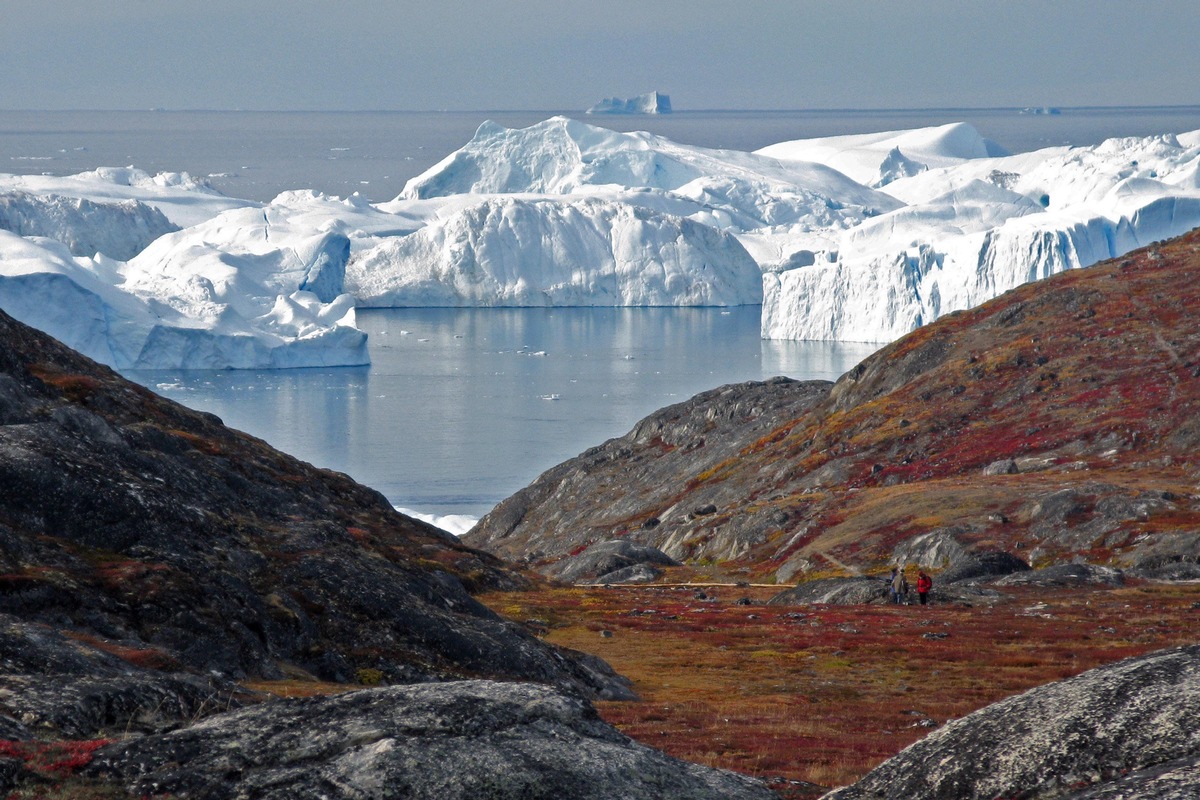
(567, 54)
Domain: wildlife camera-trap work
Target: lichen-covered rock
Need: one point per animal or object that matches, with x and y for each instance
(603, 558)
(473, 740)
(1123, 730)
(982, 566)
(1175, 780)
(1171, 557)
(638, 573)
(834, 591)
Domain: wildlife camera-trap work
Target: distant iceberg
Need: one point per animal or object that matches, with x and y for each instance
(651, 103)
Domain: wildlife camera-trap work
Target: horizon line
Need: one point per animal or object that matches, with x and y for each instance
(560, 111)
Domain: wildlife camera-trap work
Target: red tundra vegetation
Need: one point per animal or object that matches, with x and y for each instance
(808, 697)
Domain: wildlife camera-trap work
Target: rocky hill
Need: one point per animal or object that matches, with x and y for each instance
(137, 527)
(1055, 423)
(1123, 732)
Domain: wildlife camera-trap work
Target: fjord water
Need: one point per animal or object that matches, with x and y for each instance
(462, 407)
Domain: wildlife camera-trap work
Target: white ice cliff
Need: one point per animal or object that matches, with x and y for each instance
(978, 228)
(513, 251)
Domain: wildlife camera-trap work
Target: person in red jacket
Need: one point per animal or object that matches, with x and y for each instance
(924, 584)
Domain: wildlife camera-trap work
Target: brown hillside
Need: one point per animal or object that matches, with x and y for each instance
(1057, 421)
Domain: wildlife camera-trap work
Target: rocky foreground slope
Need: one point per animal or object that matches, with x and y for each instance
(1126, 730)
(1057, 422)
(461, 741)
(139, 527)
(152, 560)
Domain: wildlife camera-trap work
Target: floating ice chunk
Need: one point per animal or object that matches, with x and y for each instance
(650, 103)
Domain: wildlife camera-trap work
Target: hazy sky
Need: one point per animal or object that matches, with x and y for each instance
(566, 54)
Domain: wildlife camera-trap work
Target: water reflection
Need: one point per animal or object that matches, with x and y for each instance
(461, 407)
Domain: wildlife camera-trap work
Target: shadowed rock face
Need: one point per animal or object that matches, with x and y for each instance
(61, 686)
(127, 517)
(1126, 730)
(1084, 388)
(467, 740)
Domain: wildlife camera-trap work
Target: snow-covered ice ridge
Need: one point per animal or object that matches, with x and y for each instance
(855, 238)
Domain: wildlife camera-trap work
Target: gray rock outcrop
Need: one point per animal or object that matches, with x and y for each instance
(557, 514)
(982, 566)
(865, 590)
(601, 559)
(834, 591)
(474, 740)
(1065, 575)
(1125, 730)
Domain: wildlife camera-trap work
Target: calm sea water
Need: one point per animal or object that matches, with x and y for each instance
(461, 408)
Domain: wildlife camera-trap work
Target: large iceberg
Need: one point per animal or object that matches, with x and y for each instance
(597, 217)
(181, 198)
(565, 156)
(78, 300)
(877, 159)
(216, 295)
(119, 229)
(520, 251)
(766, 202)
(972, 230)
